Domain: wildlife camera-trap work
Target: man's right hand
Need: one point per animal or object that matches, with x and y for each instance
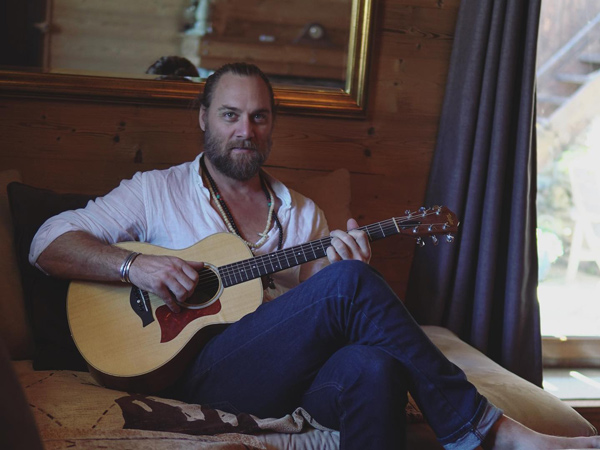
(169, 277)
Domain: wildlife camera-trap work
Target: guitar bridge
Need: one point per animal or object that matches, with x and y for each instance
(140, 304)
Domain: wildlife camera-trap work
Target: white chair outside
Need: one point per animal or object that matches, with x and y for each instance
(585, 184)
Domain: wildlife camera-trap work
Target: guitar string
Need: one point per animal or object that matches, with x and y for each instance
(242, 267)
(268, 259)
(298, 254)
(279, 259)
(250, 269)
(385, 227)
(369, 229)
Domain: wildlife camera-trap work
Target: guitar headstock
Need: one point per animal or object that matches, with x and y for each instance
(428, 222)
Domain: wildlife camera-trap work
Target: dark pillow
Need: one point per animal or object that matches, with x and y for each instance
(45, 297)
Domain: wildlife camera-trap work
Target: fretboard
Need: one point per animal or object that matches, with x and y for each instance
(259, 266)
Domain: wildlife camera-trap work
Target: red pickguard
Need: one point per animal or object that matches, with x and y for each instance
(171, 323)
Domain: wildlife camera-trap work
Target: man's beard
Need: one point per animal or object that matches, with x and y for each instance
(241, 167)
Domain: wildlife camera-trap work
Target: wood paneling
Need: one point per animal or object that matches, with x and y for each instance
(89, 146)
(275, 35)
(124, 36)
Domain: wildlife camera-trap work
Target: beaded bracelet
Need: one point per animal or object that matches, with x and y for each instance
(124, 270)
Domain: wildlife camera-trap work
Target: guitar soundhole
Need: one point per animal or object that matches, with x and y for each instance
(207, 291)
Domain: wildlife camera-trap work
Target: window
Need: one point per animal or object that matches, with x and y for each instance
(568, 131)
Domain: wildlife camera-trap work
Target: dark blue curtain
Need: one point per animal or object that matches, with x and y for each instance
(484, 285)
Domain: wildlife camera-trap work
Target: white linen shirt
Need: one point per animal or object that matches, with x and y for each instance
(171, 208)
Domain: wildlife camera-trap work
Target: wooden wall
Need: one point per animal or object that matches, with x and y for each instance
(89, 147)
(119, 36)
(116, 36)
(240, 26)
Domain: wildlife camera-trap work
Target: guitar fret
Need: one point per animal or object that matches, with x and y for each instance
(295, 255)
(312, 249)
(265, 271)
(255, 270)
(242, 273)
(275, 266)
(286, 262)
(303, 253)
(225, 279)
(381, 228)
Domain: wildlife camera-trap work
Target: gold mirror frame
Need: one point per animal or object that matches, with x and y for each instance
(349, 102)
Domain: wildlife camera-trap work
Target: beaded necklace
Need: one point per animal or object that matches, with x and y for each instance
(228, 217)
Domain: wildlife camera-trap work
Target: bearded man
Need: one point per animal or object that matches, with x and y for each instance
(331, 336)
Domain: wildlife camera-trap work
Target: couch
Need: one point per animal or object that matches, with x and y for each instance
(50, 400)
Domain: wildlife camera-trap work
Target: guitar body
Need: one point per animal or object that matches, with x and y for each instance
(124, 352)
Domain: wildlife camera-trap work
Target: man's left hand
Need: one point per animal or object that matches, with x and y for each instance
(353, 244)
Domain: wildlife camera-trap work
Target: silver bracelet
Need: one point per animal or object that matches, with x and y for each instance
(124, 270)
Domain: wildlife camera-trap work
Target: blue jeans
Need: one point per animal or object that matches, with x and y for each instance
(342, 346)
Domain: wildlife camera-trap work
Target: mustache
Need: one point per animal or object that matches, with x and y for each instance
(246, 144)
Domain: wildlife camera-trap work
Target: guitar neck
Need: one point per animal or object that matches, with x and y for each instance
(259, 266)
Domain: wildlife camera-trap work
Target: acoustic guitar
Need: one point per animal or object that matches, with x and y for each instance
(132, 341)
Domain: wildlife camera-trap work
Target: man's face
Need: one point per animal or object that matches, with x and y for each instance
(237, 126)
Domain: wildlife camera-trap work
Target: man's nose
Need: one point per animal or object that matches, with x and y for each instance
(245, 128)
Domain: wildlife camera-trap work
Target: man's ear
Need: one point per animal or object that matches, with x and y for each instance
(202, 118)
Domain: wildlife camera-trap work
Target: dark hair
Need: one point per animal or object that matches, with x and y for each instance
(241, 69)
(173, 66)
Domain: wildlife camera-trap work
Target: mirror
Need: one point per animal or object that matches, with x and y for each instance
(342, 97)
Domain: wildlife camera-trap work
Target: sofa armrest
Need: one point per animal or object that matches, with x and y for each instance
(518, 398)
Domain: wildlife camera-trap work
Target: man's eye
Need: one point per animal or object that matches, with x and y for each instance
(260, 117)
(229, 115)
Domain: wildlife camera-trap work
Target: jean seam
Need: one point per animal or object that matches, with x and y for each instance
(468, 427)
(337, 386)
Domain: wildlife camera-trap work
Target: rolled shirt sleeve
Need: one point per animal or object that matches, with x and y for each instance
(118, 216)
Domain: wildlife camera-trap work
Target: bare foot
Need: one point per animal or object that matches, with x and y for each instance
(508, 434)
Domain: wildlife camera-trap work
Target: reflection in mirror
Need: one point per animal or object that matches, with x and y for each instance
(294, 42)
(315, 54)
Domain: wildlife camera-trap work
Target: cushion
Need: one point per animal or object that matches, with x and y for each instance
(45, 297)
(14, 328)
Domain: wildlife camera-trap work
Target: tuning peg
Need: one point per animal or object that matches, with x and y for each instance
(407, 212)
(420, 242)
(449, 238)
(435, 240)
(438, 209)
